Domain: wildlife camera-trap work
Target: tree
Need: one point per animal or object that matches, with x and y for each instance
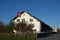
(21, 26)
(24, 27)
(1, 26)
(9, 27)
(29, 27)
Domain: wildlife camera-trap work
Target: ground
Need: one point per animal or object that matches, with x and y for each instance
(45, 37)
(8, 36)
(51, 37)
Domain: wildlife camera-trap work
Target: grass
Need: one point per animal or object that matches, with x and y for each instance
(11, 37)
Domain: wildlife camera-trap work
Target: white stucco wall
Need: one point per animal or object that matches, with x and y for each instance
(27, 18)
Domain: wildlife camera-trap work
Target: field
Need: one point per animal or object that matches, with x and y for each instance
(4, 36)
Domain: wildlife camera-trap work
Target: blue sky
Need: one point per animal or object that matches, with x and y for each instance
(46, 10)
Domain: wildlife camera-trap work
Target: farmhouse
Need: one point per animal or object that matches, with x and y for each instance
(26, 17)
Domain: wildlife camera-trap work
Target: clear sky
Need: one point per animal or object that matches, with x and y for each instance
(46, 10)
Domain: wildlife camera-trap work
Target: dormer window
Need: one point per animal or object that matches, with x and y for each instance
(31, 20)
(18, 20)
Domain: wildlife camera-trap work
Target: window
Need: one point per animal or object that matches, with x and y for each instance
(23, 20)
(31, 20)
(18, 20)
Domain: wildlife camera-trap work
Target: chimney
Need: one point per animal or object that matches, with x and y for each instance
(19, 14)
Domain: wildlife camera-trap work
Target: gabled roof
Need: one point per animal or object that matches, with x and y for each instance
(35, 18)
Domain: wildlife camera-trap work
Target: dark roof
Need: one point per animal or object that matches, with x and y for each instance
(35, 18)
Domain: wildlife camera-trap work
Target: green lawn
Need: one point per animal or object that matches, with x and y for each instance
(11, 37)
